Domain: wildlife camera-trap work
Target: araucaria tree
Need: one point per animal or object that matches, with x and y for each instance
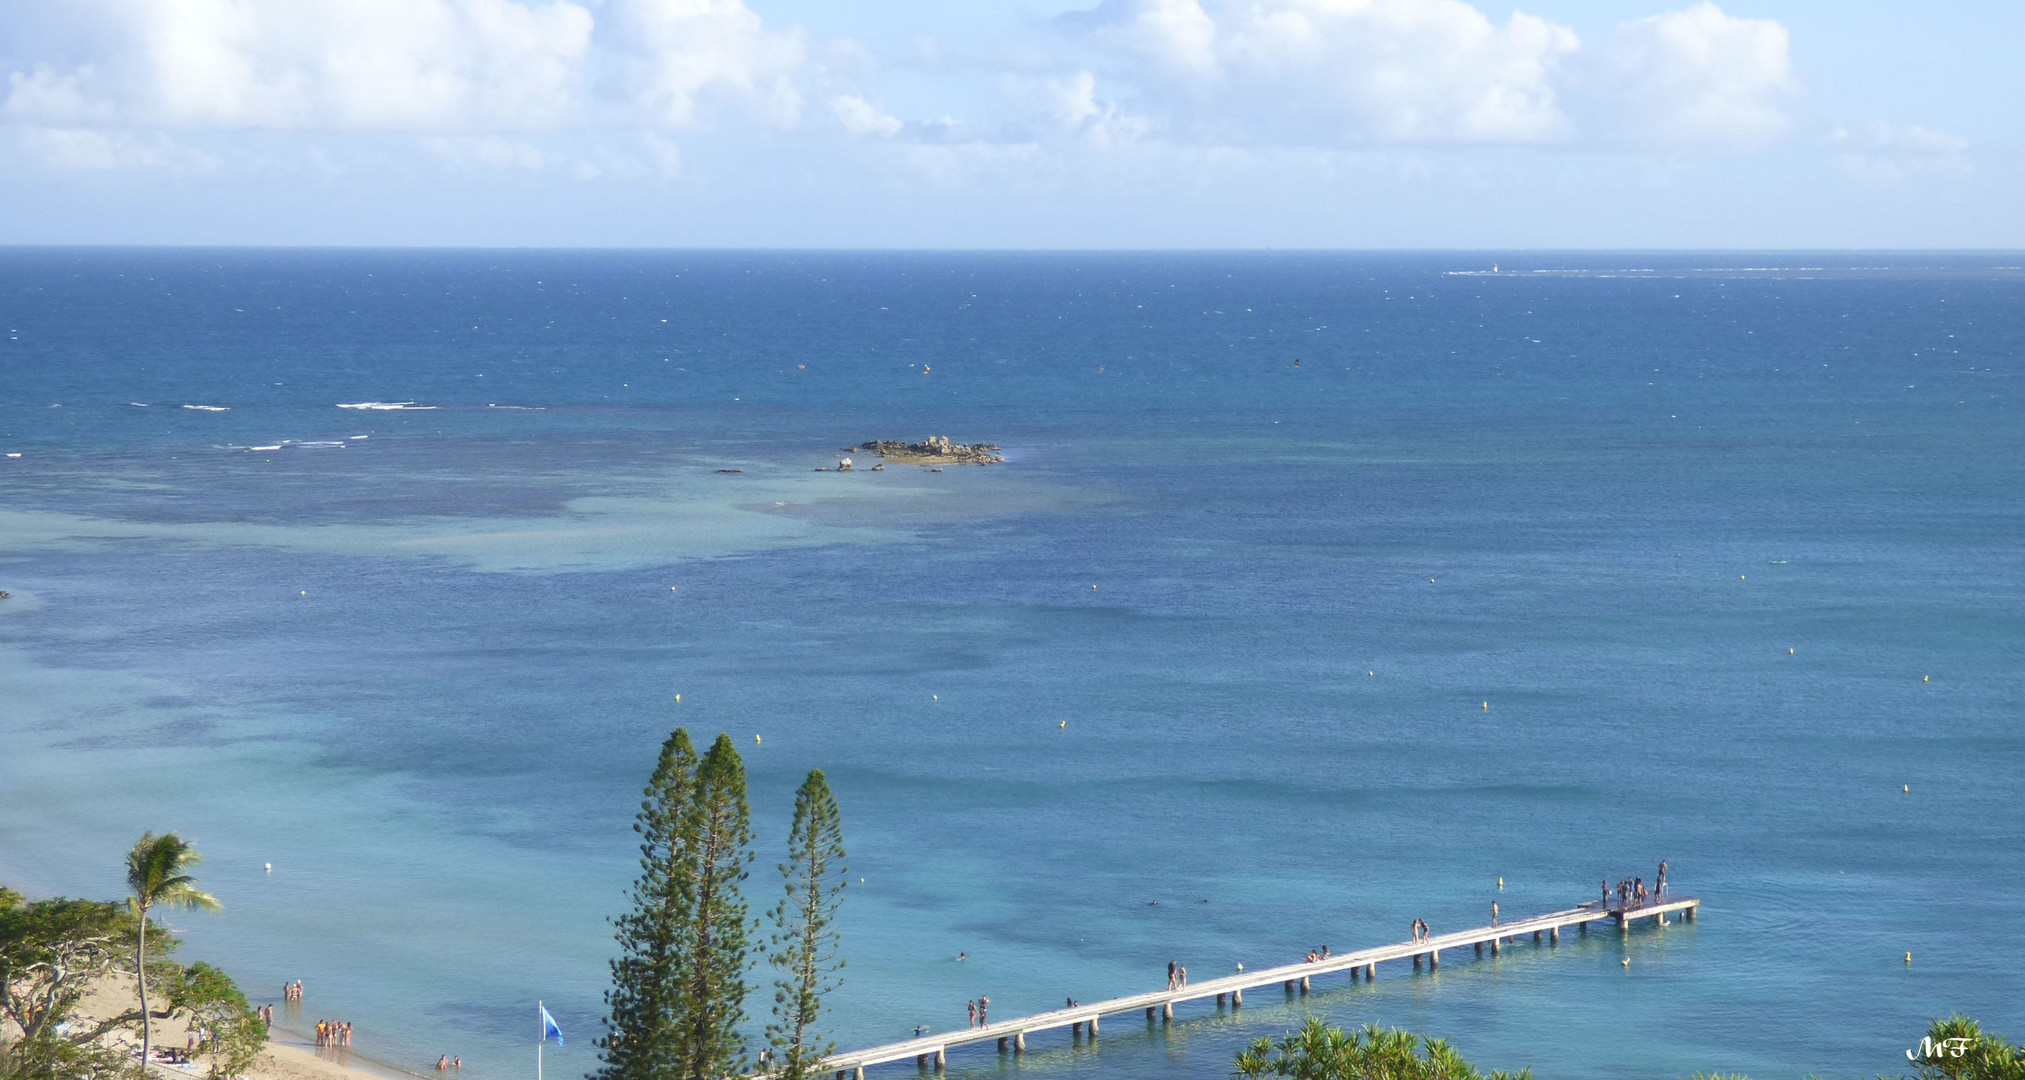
(158, 875)
(805, 935)
(645, 1042)
(718, 831)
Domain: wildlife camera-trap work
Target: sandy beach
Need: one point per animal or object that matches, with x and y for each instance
(287, 1056)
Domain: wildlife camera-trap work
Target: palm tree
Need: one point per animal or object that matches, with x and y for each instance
(158, 876)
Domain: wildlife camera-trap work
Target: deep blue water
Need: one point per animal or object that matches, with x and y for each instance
(1500, 581)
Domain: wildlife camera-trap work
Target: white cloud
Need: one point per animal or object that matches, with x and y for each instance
(93, 150)
(1332, 72)
(1886, 154)
(1699, 76)
(435, 66)
(485, 151)
(676, 56)
(861, 117)
(1325, 73)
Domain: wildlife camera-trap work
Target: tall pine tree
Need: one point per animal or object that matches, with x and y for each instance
(719, 833)
(645, 1040)
(805, 935)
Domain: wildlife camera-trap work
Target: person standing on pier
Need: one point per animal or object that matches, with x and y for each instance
(1659, 887)
(1606, 895)
(1181, 976)
(973, 1012)
(1170, 974)
(983, 1003)
(1494, 914)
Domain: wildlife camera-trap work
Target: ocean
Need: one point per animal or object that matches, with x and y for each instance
(1541, 575)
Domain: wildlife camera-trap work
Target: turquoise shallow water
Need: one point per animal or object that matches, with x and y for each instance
(424, 674)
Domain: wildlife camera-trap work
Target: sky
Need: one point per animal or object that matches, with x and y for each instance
(1333, 124)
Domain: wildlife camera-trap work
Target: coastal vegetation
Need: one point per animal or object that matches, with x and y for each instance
(1320, 1052)
(57, 955)
(676, 1007)
(805, 936)
(158, 875)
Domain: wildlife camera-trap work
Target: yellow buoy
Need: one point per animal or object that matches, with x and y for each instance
(1908, 958)
(1487, 706)
(1923, 678)
(1501, 884)
(678, 699)
(1740, 577)
(305, 592)
(755, 738)
(1907, 788)
(1371, 673)
(935, 697)
(1093, 588)
(1789, 652)
(1064, 724)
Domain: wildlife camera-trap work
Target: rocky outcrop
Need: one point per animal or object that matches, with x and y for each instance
(935, 450)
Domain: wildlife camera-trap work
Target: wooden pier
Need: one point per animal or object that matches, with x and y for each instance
(1011, 1035)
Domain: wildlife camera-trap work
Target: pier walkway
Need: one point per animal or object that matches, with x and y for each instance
(1012, 1034)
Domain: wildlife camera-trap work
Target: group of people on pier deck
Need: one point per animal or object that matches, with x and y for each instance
(1420, 930)
(1177, 975)
(978, 1007)
(1632, 893)
(1316, 956)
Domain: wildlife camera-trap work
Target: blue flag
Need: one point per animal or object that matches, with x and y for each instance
(549, 1026)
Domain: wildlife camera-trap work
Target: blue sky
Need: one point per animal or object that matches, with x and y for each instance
(1050, 124)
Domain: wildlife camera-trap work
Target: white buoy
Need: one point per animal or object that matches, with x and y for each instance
(270, 868)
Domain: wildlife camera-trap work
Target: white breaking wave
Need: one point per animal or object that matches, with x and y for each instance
(356, 438)
(276, 446)
(387, 406)
(520, 408)
(210, 408)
